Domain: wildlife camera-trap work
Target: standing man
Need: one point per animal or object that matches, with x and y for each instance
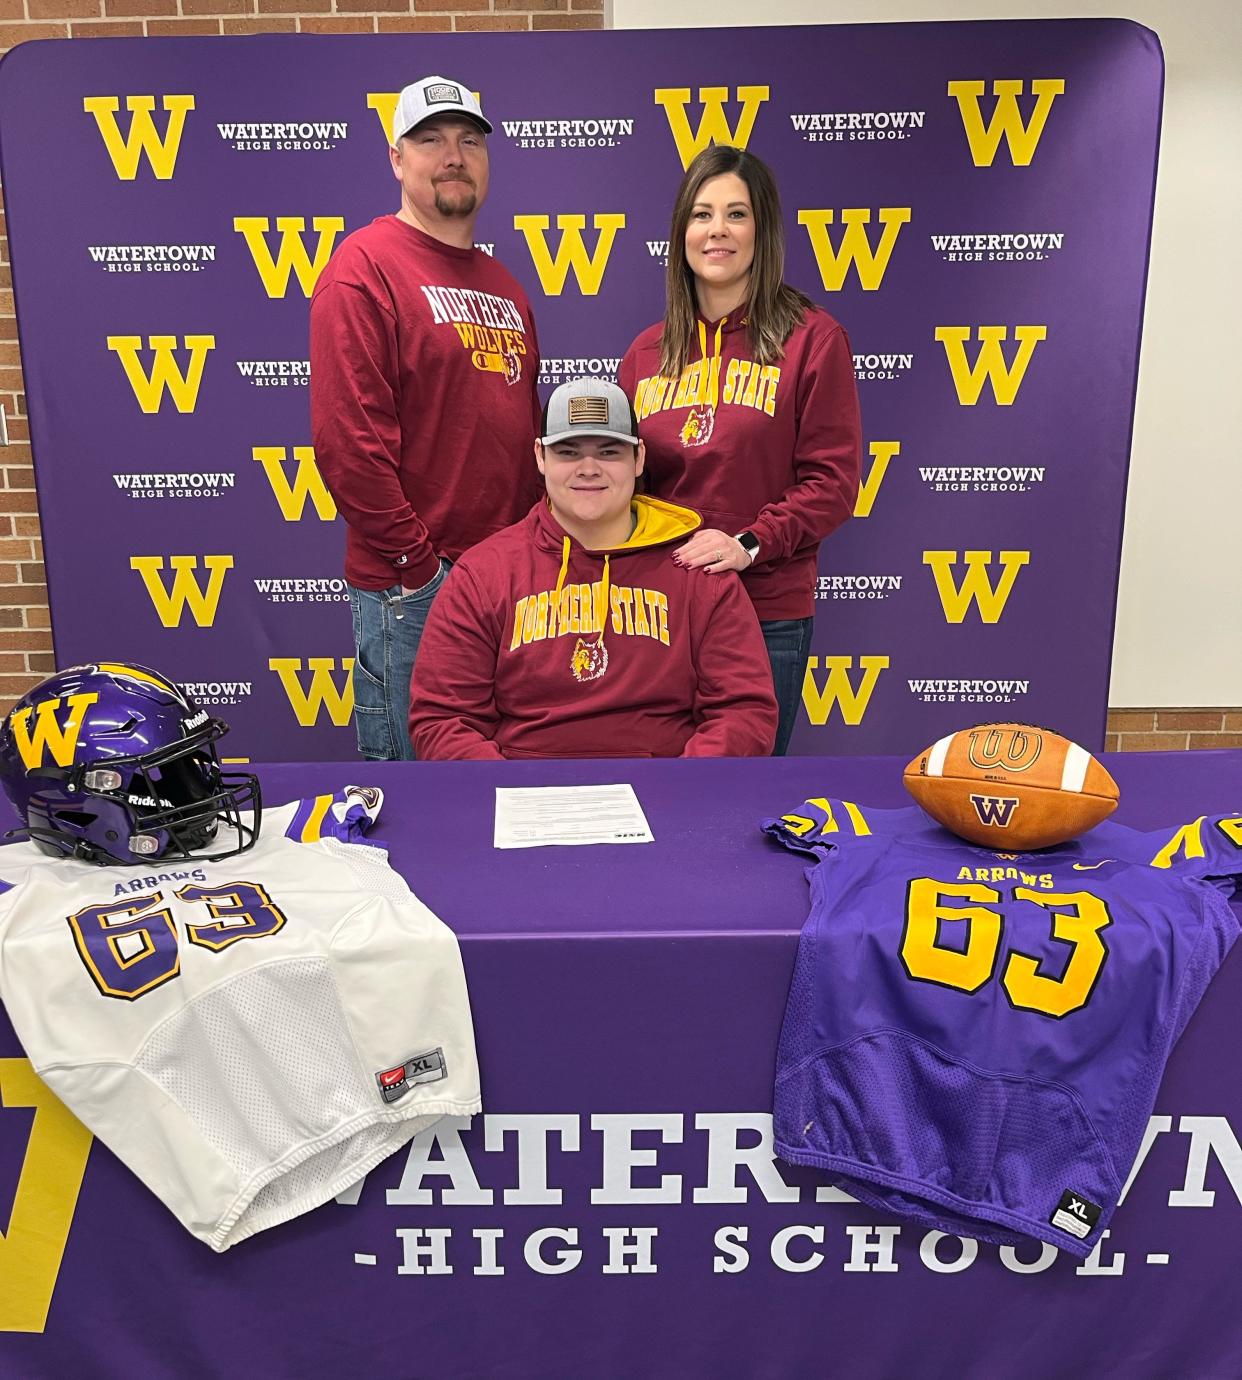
(423, 406)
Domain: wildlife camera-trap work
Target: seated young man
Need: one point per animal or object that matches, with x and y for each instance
(575, 633)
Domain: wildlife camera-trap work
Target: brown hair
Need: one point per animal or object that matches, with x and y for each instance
(774, 310)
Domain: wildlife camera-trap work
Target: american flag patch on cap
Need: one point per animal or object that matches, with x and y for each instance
(588, 410)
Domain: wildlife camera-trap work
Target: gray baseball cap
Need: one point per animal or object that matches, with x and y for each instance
(430, 96)
(589, 407)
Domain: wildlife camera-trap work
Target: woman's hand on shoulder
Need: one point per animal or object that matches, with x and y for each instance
(712, 551)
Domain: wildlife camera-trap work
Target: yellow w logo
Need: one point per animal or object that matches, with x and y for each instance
(165, 371)
(855, 245)
(1022, 139)
(307, 482)
(714, 124)
(47, 1194)
(868, 489)
(323, 688)
(570, 252)
(989, 366)
(976, 586)
(839, 688)
(142, 137)
(186, 591)
(292, 256)
(49, 734)
(384, 103)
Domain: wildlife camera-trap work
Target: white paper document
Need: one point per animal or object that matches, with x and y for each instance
(533, 816)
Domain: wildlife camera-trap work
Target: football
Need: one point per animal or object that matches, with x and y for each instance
(1011, 786)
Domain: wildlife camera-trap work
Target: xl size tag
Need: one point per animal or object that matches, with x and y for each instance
(1076, 1214)
(395, 1082)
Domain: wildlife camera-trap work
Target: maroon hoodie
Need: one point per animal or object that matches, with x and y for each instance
(423, 405)
(770, 448)
(516, 660)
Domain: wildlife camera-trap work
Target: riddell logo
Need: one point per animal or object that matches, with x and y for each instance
(142, 137)
(713, 126)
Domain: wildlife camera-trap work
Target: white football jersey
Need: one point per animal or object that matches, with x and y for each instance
(249, 1036)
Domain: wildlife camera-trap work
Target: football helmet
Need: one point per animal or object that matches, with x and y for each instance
(113, 763)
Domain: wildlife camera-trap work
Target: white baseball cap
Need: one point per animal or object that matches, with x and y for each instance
(430, 96)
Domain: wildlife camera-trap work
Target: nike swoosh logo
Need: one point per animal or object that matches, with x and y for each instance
(1090, 867)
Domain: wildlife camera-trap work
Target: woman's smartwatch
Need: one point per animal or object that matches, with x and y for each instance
(749, 543)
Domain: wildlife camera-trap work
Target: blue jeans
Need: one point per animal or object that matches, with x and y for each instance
(388, 626)
(789, 644)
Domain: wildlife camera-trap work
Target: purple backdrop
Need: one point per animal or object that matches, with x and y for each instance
(970, 199)
(627, 1004)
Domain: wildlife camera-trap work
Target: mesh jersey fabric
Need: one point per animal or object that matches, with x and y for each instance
(250, 1037)
(971, 1037)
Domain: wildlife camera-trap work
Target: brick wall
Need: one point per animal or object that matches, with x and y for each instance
(25, 637)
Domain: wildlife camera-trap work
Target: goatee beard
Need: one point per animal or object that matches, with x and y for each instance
(460, 203)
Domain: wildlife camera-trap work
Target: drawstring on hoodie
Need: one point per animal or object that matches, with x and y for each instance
(713, 365)
(601, 609)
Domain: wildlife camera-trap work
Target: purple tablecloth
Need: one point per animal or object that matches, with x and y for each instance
(605, 1220)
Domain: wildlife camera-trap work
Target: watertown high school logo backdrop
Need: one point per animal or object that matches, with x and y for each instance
(972, 201)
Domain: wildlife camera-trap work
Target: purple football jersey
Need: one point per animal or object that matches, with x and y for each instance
(975, 1040)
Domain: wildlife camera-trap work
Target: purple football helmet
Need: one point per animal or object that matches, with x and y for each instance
(113, 763)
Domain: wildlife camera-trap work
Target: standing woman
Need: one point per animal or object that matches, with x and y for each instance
(746, 402)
